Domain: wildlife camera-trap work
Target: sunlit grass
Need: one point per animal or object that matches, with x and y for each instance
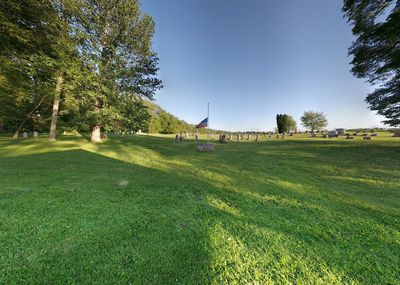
(141, 210)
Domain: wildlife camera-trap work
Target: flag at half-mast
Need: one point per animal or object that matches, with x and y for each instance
(203, 124)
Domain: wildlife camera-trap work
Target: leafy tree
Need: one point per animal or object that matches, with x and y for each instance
(291, 124)
(285, 123)
(116, 47)
(280, 118)
(30, 54)
(376, 52)
(314, 120)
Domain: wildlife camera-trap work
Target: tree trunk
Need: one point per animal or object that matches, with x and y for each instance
(95, 138)
(56, 102)
(95, 135)
(16, 134)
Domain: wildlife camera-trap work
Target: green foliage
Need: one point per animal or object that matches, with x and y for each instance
(115, 44)
(27, 59)
(314, 120)
(285, 123)
(139, 210)
(163, 122)
(103, 49)
(376, 53)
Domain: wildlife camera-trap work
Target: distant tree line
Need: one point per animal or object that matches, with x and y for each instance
(76, 64)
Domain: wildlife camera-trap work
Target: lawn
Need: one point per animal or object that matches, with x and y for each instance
(140, 210)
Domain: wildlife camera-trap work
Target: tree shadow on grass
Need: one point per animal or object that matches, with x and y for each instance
(78, 217)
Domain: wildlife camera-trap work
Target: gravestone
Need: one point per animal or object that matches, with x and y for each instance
(349, 138)
(205, 147)
(257, 137)
(397, 133)
(367, 138)
(332, 134)
(340, 131)
(35, 134)
(222, 139)
(25, 135)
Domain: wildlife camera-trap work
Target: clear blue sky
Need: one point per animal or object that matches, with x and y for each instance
(253, 59)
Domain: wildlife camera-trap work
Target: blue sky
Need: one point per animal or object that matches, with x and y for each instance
(254, 59)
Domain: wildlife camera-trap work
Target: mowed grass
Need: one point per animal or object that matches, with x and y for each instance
(140, 210)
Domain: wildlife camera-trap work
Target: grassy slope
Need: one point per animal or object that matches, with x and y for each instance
(293, 211)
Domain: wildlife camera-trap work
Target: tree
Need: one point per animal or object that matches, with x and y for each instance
(376, 52)
(30, 53)
(314, 120)
(115, 44)
(285, 123)
(280, 122)
(291, 124)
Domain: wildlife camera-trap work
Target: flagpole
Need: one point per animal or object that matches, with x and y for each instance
(208, 121)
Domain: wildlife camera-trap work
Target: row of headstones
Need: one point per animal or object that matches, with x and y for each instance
(35, 135)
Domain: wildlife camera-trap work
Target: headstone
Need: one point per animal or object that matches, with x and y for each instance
(367, 138)
(222, 139)
(25, 135)
(205, 147)
(177, 140)
(397, 133)
(349, 138)
(340, 131)
(35, 134)
(332, 134)
(257, 137)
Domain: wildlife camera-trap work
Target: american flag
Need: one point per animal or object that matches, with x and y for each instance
(203, 124)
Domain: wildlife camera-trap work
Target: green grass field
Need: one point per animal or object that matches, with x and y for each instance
(140, 210)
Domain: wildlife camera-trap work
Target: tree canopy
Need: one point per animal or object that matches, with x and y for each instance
(91, 62)
(376, 52)
(314, 120)
(285, 123)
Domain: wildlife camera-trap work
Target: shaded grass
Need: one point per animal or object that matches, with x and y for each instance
(284, 212)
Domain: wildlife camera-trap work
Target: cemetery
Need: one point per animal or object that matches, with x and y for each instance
(151, 210)
(200, 142)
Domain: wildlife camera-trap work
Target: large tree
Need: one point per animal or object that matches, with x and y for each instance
(376, 52)
(115, 44)
(30, 57)
(314, 120)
